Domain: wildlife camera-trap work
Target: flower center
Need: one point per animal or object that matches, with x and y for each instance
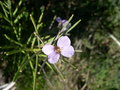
(57, 49)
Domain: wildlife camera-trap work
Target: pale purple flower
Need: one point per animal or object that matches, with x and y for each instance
(63, 47)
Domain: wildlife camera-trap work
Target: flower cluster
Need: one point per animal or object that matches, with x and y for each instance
(63, 47)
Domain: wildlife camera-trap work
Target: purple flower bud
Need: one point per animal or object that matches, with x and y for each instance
(58, 19)
(63, 24)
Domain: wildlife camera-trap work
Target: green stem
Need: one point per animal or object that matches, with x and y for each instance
(35, 73)
(24, 62)
(59, 72)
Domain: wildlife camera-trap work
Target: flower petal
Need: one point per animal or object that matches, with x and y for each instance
(48, 49)
(63, 41)
(64, 22)
(68, 51)
(53, 57)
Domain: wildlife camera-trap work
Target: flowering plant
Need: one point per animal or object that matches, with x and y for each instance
(63, 47)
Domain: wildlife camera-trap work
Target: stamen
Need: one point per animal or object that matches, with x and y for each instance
(57, 49)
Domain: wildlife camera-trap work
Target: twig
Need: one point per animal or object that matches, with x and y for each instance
(7, 86)
(87, 78)
(115, 39)
(78, 50)
(84, 86)
(47, 78)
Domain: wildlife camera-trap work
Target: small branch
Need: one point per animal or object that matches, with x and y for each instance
(83, 88)
(115, 39)
(78, 50)
(7, 86)
(87, 78)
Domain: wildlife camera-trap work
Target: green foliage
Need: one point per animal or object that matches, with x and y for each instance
(25, 26)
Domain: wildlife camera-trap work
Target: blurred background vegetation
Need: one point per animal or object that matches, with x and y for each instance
(25, 28)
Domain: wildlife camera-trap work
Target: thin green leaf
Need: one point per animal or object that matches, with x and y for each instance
(13, 41)
(19, 17)
(73, 26)
(52, 22)
(59, 72)
(33, 42)
(6, 27)
(29, 39)
(33, 22)
(49, 66)
(24, 62)
(40, 18)
(39, 25)
(22, 50)
(8, 47)
(65, 61)
(5, 11)
(35, 73)
(8, 3)
(19, 4)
